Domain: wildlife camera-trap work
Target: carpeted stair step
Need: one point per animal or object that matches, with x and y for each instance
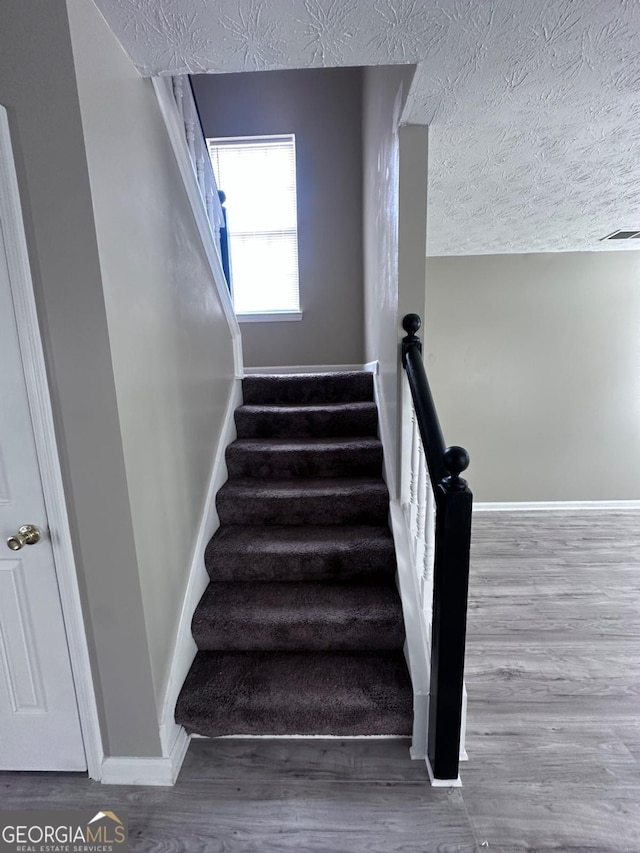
(297, 693)
(323, 420)
(297, 617)
(340, 554)
(348, 500)
(308, 388)
(284, 458)
(300, 631)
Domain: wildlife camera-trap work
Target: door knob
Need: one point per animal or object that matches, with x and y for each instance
(28, 534)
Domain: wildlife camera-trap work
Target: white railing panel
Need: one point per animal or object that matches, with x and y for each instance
(172, 100)
(199, 153)
(418, 504)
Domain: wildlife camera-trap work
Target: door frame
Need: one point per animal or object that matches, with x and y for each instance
(35, 374)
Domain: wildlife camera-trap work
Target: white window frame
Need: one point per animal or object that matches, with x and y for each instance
(275, 315)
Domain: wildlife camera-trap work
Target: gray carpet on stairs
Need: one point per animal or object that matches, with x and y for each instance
(289, 458)
(339, 554)
(288, 693)
(298, 617)
(332, 419)
(300, 630)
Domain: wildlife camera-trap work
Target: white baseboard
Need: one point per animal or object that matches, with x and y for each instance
(185, 648)
(124, 770)
(304, 368)
(442, 783)
(554, 506)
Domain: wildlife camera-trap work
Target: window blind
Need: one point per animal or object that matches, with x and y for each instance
(258, 176)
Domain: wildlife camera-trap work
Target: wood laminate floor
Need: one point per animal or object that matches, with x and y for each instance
(553, 674)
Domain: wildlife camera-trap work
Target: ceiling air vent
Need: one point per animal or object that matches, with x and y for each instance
(622, 235)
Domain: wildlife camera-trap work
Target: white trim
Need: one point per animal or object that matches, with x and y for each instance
(417, 643)
(175, 128)
(304, 368)
(269, 317)
(185, 648)
(441, 783)
(146, 771)
(41, 414)
(554, 506)
(303, 737)
(463, 756)
(420, 714)
(389, 453)
(248, 140)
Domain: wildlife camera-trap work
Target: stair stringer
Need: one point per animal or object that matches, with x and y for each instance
(416, 649)
(185, 647)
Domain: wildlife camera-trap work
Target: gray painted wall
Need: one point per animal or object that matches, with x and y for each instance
(38, 88)
(170, 342)
(323, 108)
(534, 365)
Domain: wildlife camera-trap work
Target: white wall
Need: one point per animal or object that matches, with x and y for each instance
(534, 362)
(385, 89)
(170, 343)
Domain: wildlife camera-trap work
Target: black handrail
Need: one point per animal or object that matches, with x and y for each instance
(426, 414)
(453, 501)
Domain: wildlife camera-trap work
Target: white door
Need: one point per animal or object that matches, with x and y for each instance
(39, 722)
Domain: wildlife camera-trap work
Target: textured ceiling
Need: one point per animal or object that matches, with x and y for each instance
(534, 105)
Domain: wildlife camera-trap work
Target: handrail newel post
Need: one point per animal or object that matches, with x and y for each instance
(448, 635)
(452, 541)
(411, 325)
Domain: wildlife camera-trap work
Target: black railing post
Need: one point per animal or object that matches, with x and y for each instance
(453, 501)
(449, 626)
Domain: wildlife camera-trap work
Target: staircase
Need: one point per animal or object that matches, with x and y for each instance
(300, 630)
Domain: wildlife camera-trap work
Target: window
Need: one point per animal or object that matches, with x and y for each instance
(258, 175)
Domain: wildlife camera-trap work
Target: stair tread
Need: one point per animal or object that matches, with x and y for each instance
(278, 539)
(292, 408)
(302, 501)
(289, 600)
(337, 385)
(298, 616)
(337, 553)
(293, 458)
(297, 420)
(311, 443)
(305, 693)
(304, 486)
